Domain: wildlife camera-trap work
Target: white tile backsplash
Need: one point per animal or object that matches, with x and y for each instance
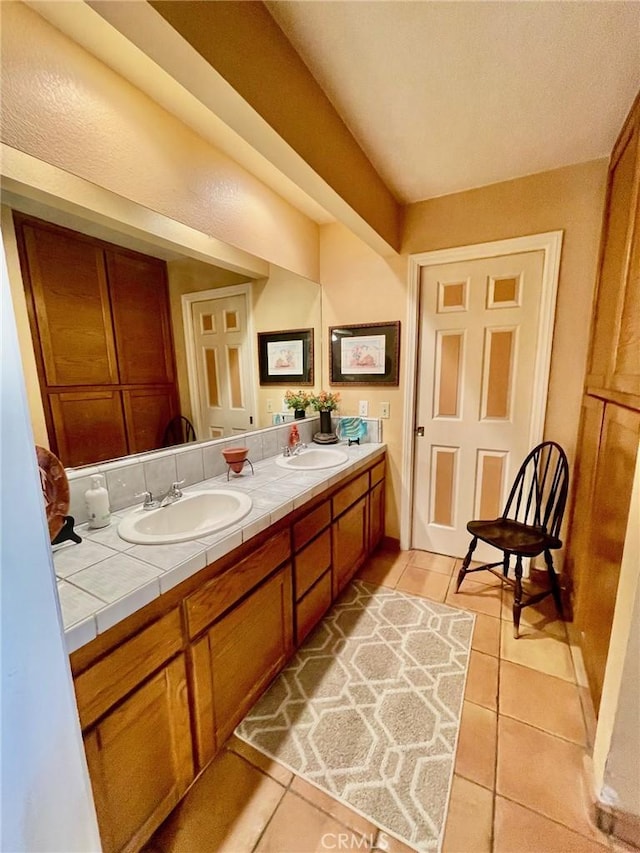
(123, 484)
(190, 466)
(160, 473)
(214, 463)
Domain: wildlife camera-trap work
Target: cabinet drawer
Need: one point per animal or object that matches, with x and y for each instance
(225, 589)
(311, 562)
(307, 527)
(377, 473)
(108, 680)
(313, 607)
(350, 494)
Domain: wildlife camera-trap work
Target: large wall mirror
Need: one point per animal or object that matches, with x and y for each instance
(128, 335)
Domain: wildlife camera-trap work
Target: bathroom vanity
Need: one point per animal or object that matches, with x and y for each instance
(161, 690)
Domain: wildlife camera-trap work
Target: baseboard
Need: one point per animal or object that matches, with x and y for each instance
(609, 819)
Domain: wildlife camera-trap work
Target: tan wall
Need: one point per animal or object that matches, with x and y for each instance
(64, 107)
(359, 286)
(271, 80)
(286, 301)
(570, 199)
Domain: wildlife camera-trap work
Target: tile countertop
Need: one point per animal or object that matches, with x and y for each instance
(105, 579)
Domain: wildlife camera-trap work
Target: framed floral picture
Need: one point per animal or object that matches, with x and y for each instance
(365, 354)
(286, 358)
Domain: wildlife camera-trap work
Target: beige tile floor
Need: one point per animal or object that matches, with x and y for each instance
(518, 783)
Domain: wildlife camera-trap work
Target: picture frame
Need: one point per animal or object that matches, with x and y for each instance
(365, 354)
(286, 357)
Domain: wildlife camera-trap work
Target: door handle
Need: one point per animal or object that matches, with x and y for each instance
(419, 431)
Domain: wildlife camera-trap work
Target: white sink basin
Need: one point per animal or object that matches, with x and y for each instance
(313, 459)
(195, 514)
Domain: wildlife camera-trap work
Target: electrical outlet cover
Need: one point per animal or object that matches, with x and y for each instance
(363, 408)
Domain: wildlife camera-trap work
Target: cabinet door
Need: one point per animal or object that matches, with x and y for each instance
(140, 306)
(140, 759)
(147, 413)
(577, 563)
(71, 305)
(246, 648)
(376, 515)
(609, 512)
(349, 544)
(617, 240)
(88, 426)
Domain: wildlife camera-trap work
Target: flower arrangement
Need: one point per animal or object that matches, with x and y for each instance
(324, 401)
(296, 399)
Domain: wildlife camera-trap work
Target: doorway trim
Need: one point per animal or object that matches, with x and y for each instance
(550, 243)
(188, 299)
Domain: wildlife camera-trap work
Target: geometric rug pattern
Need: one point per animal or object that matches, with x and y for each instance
(369, 709)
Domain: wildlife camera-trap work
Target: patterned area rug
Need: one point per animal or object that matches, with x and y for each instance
(369, 709)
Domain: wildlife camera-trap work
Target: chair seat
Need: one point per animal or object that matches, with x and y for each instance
(513, 536)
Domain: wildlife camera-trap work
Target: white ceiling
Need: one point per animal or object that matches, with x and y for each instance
(446, 96)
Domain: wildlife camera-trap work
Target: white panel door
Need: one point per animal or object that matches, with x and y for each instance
(478, 338)
(223, 367)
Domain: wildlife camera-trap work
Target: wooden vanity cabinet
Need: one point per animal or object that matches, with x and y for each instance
(241, 629)
(134, 709)
(350, 511)
(312, 569)
(376, 506)
(159, 693)
(140, 759)
(236, 659)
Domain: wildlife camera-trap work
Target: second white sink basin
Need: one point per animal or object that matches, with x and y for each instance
(313, 459)
(195, 514)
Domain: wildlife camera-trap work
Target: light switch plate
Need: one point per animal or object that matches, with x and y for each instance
(363, 408)
(384, 410)
(269, 405)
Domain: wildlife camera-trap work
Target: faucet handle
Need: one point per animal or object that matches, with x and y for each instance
(175, 488)
(149, 502)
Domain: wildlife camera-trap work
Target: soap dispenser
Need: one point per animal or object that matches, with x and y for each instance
(97, 501)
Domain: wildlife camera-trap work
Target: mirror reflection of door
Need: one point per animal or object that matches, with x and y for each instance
(223, 366)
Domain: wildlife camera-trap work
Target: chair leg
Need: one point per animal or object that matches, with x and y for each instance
(505, 564)
(466, 562)
(517, 598)
(555, 586)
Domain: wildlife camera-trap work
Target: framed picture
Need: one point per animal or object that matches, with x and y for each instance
(366, 354)
(286, 358)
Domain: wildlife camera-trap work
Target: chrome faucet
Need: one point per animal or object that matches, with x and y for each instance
(149, 501)
(294, 451)
(173, 494)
